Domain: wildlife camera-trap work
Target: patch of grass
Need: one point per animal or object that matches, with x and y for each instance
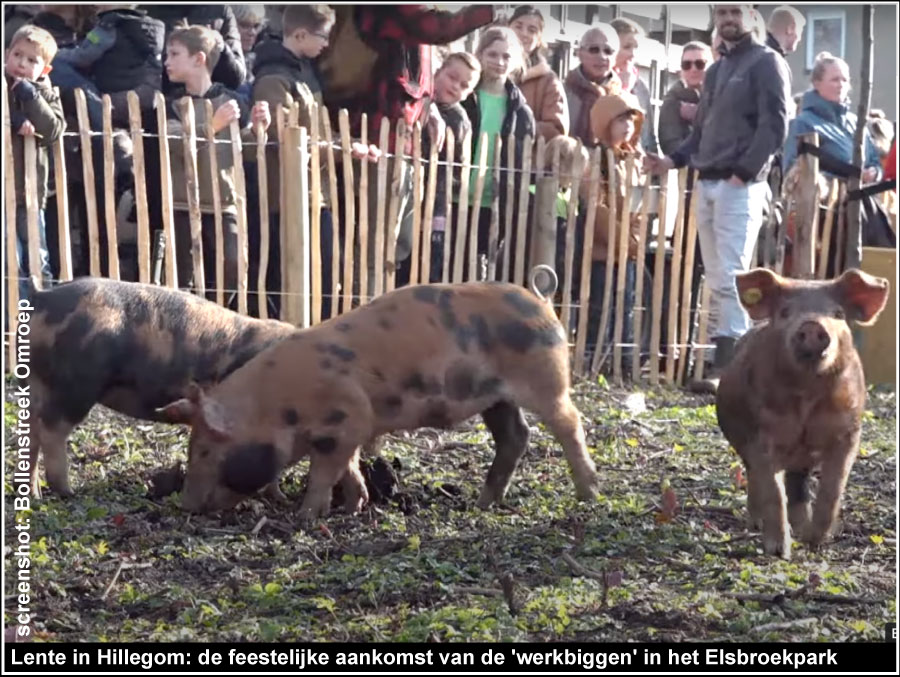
(429, 567)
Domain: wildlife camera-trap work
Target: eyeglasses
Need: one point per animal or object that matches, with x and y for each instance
(699, 64)
(596, 49)
(324, 36)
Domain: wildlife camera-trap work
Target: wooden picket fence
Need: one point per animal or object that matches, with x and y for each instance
(304, 153)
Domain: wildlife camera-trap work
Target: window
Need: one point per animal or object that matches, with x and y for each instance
(825, 32)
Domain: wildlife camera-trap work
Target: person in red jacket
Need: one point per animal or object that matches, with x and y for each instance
(890, 163)
(378, 62)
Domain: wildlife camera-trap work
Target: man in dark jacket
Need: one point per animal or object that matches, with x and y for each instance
(230, 70)
(740, 124)
(122, 52)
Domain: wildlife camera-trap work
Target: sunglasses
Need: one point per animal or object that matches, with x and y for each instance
(699, 64)
(596, 49)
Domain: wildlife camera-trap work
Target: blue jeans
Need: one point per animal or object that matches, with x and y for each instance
(728, 222)
(22, 251)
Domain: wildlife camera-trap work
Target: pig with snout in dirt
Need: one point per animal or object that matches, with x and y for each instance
(422, 356)
(793, 396)
(132, 347)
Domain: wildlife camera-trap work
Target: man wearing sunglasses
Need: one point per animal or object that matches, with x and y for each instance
(592, 79)
(679, 107)
(739, 125)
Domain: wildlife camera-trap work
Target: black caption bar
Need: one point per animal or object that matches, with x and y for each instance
(393, 658)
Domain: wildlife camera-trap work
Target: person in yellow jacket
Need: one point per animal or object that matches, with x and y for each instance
(616, 122)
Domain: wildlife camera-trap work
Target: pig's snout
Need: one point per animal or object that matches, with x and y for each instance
(811, 340)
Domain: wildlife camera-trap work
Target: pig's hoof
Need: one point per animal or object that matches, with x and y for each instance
(485, 500)
(355, 504)
(587, 490)
(780, 546)
(65, 490)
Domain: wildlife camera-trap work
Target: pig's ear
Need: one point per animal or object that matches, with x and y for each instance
(862, 295)
(211, 414)
(758, 290)
(179, 411)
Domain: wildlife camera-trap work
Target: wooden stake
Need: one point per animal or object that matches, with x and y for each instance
(578, 169)
(521, 235)
(189, 140)
(417, 204)
(364, 216)
(90, 189)
(658, 274)
(690, 246)
(462, 206)
(674, 278)
(349, 209)
(335, 218)
(587, 258)
(390, 257)
(383, 144)
(428, 221)
(494, 229)
(639, 309)
(109, 191)
(211, 147)
(476, 208)
(165, 171)
(140, 187)
(610, 258)
(508, 253)
(12, 260)
(262, 178)
(449, 145)
(829, 225)
(624, 235)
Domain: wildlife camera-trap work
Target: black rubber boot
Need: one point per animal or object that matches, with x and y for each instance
(724, 352)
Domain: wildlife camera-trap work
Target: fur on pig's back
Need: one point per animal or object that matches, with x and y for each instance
(135, 347)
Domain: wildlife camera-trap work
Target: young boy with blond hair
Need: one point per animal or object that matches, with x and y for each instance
(34, 110)
(454, 81)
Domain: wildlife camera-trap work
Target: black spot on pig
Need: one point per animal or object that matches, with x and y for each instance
(343, 327)
(448, 317)
(388, 406)
(436, 415)
(334, 417)
(488, 386)
(385, 324)
(290, 416)
(426, 294)
(326, 364)
(270, 364)
(460, 381)
(423, 386)
(61, 302)
(377, 373)
(341, 353)
(324, 445)
(250, 467)
(521, 337)
(321, 347)
(432, 322)
(525, 306)
(482, 332)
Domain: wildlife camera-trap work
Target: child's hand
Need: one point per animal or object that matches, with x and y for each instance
(27, 129)
(359, 151)
(225, 113)
(260, 115)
